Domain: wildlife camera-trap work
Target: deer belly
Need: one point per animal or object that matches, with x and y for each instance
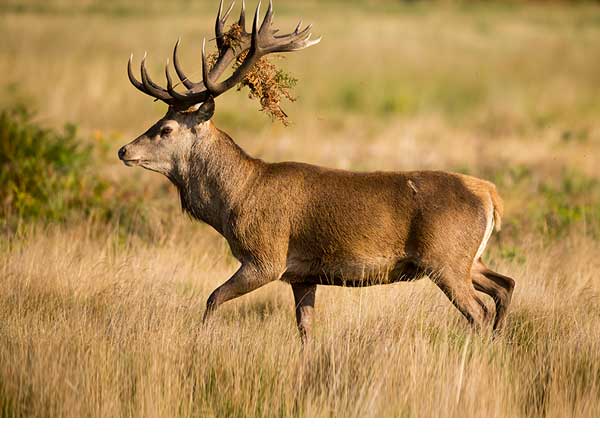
(344, 270)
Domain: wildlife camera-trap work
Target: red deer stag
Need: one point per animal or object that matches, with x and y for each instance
(308, 225)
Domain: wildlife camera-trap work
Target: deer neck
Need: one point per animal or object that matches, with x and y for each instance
(214, 178)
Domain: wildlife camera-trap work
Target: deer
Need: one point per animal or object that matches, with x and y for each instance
(308, 225)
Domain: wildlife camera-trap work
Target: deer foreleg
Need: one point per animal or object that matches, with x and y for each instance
(247, 278)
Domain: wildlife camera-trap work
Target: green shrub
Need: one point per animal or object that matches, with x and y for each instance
(573, 202)
(41, 169)
(553, 206)
(46, 175)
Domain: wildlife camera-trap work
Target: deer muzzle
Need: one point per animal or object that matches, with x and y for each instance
(126, 157)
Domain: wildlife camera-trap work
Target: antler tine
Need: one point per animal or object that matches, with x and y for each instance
(151, 85)
(226, 16)
(312, 42)
(179, 71)
(151, 88)
(268, 16)
(220, 24)
(138, 85)
(242, 19)
(205, 78)
(170, 88)
(255, 25)
(188, 98)
(296, 35)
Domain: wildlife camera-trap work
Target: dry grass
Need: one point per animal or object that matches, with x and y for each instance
(93, 323)
(95, 328)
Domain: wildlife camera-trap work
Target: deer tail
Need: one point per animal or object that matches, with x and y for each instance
(498, 205)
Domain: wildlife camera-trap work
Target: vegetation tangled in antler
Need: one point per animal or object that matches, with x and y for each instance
(266, 82)
(245, 50)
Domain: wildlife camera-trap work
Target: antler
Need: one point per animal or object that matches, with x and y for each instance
(262, 41)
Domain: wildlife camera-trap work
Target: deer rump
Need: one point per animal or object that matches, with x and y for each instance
(359, 229)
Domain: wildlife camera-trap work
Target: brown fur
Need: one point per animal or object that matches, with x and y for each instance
(308, 225)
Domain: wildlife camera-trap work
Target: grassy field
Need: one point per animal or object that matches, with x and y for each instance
(101, 295)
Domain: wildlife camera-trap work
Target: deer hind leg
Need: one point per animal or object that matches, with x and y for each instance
(498, 286)
(304, 298)
(461, 293)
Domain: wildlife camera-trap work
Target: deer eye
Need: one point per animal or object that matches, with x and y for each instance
(165, 131)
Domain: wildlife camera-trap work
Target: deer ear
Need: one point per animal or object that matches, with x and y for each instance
(206, 110)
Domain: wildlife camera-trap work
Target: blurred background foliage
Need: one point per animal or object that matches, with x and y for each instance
(508, 91)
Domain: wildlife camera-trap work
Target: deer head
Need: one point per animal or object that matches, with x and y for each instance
(185, 128)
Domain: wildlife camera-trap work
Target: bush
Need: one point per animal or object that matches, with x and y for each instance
(574, 202)
(552, 206)
(47, 176)
(42, 170)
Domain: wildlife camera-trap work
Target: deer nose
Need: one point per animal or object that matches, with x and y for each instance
(122, 152)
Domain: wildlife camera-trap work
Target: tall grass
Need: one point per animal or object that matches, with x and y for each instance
(112, 329)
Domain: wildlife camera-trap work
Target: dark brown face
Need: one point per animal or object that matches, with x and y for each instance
(167, 142)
